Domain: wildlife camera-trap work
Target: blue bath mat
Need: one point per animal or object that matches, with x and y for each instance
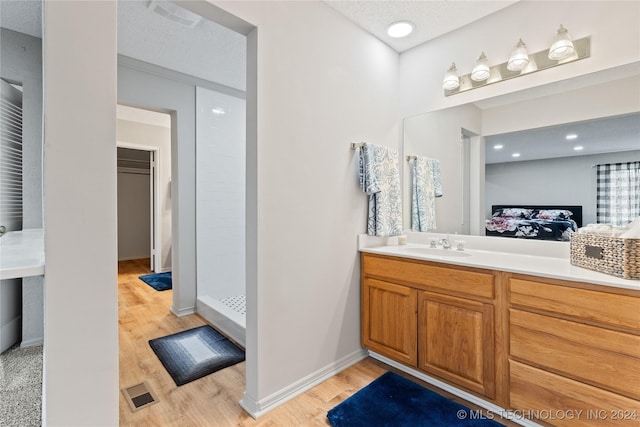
(158, 281)
(394, 401)
(195, 353)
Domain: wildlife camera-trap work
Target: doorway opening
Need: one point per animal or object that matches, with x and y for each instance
(144, 196)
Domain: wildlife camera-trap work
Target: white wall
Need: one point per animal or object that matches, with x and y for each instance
(612, 25)
(140, 88)
(322, 84)
(81, 310)
(562, 181)
(437, 135)
(147, 135)
(21, 62)
(134, 219)
(613, 98)
(220, 194)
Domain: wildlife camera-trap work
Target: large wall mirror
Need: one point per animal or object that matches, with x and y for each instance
(476, 143)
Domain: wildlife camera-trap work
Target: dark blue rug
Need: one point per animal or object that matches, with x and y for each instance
(394, 401)
(195, 353)
(158, 281)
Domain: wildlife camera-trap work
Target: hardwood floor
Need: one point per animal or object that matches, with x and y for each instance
(213, 400)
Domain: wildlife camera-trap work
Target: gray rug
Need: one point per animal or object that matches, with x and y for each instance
(195, 353)
(21, 387)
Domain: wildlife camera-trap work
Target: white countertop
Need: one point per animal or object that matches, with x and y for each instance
(544, 259)
(22, 254)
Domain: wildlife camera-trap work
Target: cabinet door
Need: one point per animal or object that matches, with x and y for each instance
(456, 341)
(389, 320)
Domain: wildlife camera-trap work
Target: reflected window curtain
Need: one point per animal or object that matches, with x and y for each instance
(618, 193)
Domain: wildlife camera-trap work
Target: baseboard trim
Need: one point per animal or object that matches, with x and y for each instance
(33, 342)
(257, 408)
(455, 391)
(183, 312)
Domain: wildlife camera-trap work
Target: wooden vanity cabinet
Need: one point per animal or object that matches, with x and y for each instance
(389, 324)
(456, 341)
(574, 347)
(537, 345)
(437, 319)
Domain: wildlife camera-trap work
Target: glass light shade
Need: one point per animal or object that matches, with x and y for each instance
(562, 46)
(481, 71)
(451, 80)
(519, 57)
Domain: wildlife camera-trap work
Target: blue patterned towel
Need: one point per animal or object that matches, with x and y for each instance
(380, 180)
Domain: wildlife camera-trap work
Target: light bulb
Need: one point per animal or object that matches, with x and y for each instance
(519, 57)
(451, 80)
(562, 46)
(481, 71)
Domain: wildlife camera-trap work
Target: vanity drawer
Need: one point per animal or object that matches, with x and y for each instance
(556, 397)
(602, 307)
(466, 282)
(598, 356)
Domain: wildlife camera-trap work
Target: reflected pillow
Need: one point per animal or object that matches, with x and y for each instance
(554, 214)
(513, 213)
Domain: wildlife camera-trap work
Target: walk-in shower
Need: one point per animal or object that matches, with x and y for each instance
(220, 211)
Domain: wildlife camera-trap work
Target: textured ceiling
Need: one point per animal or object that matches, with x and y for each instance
(432, 18)
(208, 51)
(607, 135)
(214, 53)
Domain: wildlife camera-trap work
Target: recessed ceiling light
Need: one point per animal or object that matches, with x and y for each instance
(515, 155)
(578, 147)
(498, 147)
(400, 29)
(571, 136)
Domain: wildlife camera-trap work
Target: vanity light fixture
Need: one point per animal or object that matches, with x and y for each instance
(563, 50)
(571, 136)
(400, 29)
(519, 57)
(562, 46)
(481, 71)
(451, 80)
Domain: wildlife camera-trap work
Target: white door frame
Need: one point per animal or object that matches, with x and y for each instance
(156, 233)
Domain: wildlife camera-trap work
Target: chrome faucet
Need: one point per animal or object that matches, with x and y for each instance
(446, 244)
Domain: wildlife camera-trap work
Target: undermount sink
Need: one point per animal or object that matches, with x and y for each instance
(449, 253)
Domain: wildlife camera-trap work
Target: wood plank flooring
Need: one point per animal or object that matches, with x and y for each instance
(211, 401)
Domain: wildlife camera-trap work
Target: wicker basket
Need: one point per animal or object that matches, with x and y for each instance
(611, 255)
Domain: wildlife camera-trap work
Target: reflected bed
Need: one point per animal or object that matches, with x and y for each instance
(541, 222)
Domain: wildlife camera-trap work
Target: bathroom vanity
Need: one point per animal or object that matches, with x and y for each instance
(521, 331)
(21, 293)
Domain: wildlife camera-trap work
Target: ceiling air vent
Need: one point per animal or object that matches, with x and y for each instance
(174, 13)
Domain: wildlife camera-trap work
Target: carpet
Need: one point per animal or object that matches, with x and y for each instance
(158, 281)
(394, 401)
(195, 353)
(21, 387)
